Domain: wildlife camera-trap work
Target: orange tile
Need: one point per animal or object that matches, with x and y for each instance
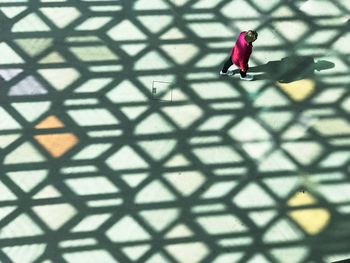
(57, 144)
(50, 122)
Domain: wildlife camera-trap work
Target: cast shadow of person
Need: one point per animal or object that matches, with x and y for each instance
(291, 68)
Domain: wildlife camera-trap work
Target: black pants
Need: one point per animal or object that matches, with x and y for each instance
(228, 64)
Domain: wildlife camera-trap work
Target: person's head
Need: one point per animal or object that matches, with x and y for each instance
(251, 36)
(323, 64)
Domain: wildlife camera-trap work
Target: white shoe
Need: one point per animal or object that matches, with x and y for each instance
(247, 77)
(228, 73)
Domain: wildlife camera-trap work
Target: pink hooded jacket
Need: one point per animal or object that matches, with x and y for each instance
(241, 52)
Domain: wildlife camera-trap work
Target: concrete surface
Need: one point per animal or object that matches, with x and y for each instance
(120, 142)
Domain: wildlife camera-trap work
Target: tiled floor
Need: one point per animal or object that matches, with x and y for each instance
(120, 142)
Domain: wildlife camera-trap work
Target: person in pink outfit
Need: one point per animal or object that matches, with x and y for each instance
(240, 55)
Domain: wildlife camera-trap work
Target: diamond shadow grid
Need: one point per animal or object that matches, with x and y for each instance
(94, 168)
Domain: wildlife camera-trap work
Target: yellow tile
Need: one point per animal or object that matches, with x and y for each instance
(298, 90)
(312, 221)
(300, 199)
(49, 123)
(57, 144)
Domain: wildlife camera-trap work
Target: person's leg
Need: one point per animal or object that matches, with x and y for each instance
(227, 65)
(243, 73)
(245, 76)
